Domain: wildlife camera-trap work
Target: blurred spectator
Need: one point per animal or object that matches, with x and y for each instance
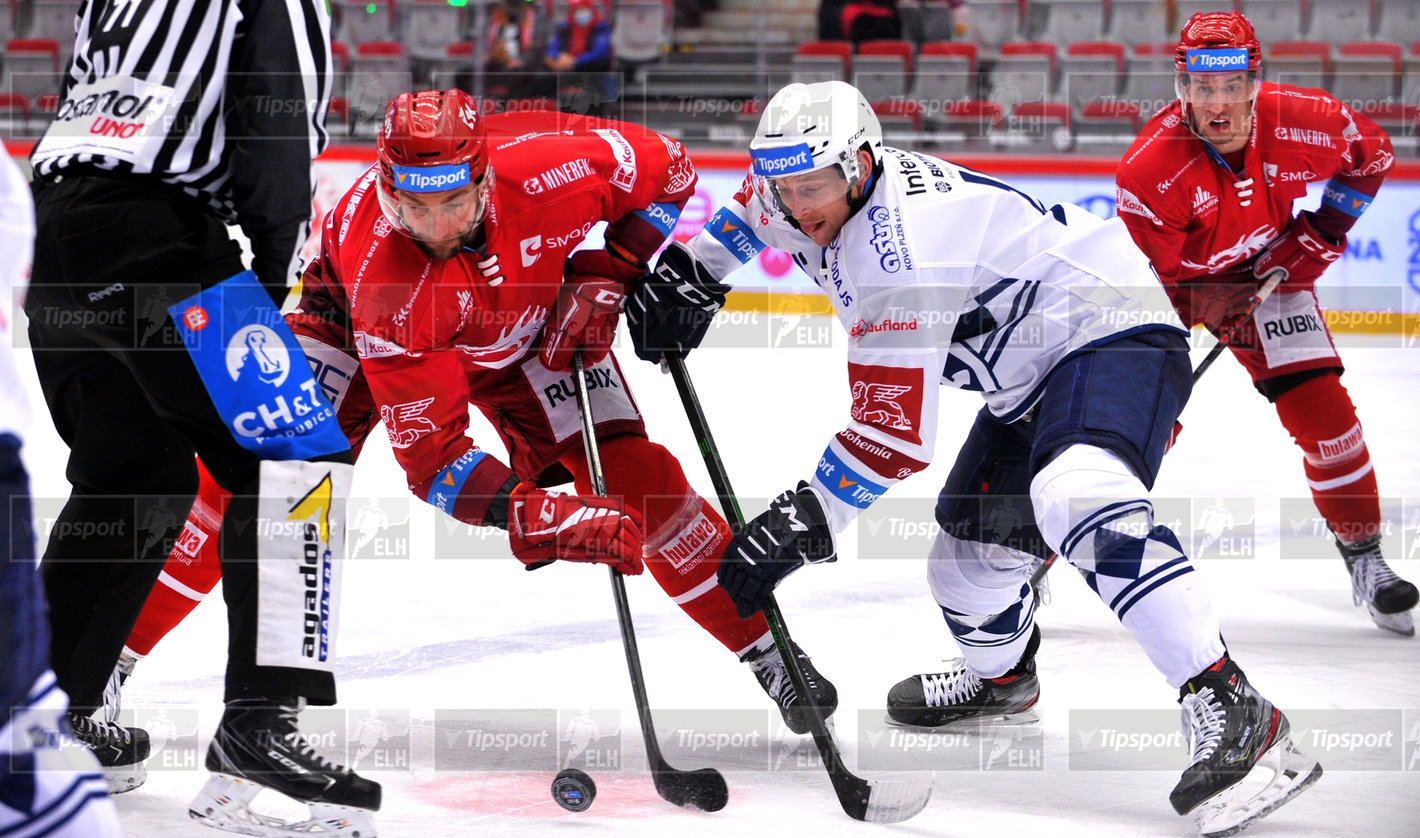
(582, 43)
(580, 54)
(830, 19)
(517, 35)
(870, 20)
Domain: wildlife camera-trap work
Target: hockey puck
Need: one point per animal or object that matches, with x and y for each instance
(574, 790)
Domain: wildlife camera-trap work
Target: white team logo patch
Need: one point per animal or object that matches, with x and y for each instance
(256, 353)
(406, 422)
(531, 249)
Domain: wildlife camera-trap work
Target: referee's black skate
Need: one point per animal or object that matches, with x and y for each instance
(1386, 596)
(1235, 735)
(768, 667)
(257, 746)
(958, 695)
(120, 750)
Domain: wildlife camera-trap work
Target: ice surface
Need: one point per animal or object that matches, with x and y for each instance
(488, 649)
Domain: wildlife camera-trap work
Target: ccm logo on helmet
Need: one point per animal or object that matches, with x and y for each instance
(430, 178)
(1216, 60)
(782, 161)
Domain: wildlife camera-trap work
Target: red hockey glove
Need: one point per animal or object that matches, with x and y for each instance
(584, 318)
(547, 525)
(1301, 252)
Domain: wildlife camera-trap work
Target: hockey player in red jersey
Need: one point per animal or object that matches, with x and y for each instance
(1207, 191)
(449, 270)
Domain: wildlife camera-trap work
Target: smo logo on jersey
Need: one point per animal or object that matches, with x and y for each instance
(255, 373)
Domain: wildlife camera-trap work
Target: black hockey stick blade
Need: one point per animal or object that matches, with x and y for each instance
(887, 800)
(703, 788)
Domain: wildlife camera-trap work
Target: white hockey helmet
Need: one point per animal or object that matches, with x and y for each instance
(807, 127)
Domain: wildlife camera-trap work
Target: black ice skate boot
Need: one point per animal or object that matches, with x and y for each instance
(768, 667)
(958, 695)
(257, 746)
(120, 750)
(1388, 597)
(1232, 731)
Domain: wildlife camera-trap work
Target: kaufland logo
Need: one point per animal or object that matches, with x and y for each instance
(430, 178)
(782, 161)
(1216, 60)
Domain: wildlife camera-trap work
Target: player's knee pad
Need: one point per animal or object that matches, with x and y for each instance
(300, 542)
(974, 580)
(1321, 418)
(255, 373)
(1093, 510)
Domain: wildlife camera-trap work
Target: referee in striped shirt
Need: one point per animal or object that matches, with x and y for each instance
(153, 342)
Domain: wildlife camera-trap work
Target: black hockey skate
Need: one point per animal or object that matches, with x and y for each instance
(958, 695)
(768, 667)
(1234, 734)
(257, 746)
(120, 750)
(1387, 597)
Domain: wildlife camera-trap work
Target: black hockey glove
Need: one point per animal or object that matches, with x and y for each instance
(670, 310)
(793, 532)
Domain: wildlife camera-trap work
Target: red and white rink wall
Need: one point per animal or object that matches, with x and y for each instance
(1374, 287)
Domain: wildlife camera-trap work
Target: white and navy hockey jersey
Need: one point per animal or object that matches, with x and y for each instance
(946, 275)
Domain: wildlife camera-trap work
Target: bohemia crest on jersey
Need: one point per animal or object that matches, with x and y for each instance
(888, 398)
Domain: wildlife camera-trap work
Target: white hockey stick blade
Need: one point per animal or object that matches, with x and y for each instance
(895, 799)
(1236, 808)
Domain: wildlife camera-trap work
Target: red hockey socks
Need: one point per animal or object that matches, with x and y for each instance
(1322, 421)
(684, 534)
(191, 571)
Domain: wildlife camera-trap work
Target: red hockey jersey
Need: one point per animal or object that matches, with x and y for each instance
(1180, 201)
(425, 330)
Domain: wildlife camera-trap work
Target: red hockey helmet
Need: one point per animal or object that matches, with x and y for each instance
(432, 141)
(1218, 42)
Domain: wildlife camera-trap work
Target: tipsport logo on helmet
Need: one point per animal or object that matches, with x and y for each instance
(430, 178)
(1216, 60)
(773, 162)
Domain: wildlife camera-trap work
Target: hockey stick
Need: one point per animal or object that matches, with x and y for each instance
(1225, 339)
(877, 801)
(703, 788)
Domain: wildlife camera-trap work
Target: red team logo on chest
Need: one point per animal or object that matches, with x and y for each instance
(889, 398)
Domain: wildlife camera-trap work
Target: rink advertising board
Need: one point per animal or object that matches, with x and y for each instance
(1374, 287)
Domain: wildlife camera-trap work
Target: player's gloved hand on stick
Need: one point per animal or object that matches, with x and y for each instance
(546, 525)
(584, 317)
(793, 532)
(670, 310)
(1302, 252)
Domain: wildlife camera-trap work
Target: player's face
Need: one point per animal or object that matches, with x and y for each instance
(1222, 108)
(441, 222)
(818, 200)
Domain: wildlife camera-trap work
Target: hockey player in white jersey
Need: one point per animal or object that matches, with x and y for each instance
(943, 276)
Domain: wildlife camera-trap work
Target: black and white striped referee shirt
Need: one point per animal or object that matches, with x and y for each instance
(223, 98)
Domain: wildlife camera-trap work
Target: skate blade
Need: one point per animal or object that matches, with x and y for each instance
(1028, 716)
(122, 778)
(224, 803)
(1292, 771)
(1401, 623)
